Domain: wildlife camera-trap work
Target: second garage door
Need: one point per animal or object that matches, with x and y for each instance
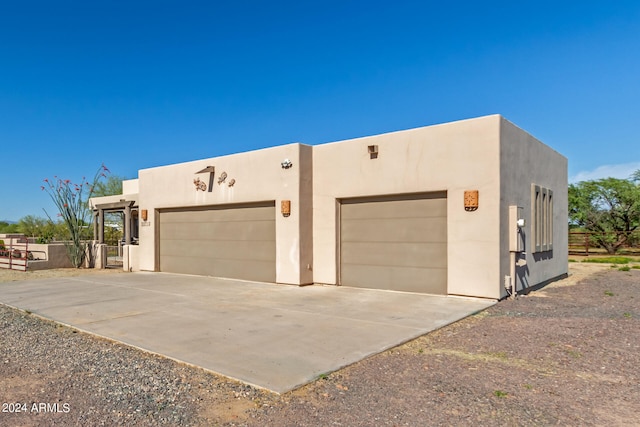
(233, 241)
(397, 243)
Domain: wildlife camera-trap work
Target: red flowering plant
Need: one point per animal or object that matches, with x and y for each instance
(72, 201)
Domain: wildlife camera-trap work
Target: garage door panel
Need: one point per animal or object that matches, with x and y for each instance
(418, 208)
(365, 276)
(238, 269)
(397, 243)
(186, 265)
(219, 250)
(234, 241)
(428, 255)
(236, 230)
(256, 270)
(218, 214)
(423, 280)
(394, 229)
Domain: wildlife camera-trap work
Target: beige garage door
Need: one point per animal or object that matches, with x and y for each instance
(397, 243)
(236, 242)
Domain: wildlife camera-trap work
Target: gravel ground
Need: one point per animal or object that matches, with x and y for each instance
(564, 355)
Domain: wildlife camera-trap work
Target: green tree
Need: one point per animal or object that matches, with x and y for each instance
(8, 228)
(109, 187)
(608, 208)
(635, 177)
(43, 228)
(72, 201)
(32, 226)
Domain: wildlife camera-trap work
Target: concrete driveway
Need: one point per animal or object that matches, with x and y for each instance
(276, 337)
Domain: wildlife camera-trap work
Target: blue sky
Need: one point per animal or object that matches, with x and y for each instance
(138, 84)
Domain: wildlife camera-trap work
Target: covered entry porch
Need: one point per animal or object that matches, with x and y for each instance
(115, 231)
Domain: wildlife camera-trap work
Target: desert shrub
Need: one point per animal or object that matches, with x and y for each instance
(609, 260)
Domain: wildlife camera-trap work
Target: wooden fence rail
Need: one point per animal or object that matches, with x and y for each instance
(582, 243)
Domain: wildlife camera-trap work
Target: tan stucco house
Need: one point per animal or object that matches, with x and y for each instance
(474, 208)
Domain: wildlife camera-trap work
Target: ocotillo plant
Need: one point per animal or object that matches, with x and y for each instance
(72, 201)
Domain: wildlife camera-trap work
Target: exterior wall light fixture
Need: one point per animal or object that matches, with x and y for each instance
(286, 164)
(471, 200)
(285, 208)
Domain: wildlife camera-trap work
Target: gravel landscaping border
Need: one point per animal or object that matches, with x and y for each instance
(563, 355)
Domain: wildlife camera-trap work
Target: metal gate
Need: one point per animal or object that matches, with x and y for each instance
(114, 256)
(15, 255)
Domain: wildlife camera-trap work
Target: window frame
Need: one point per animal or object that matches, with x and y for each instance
(541, 219)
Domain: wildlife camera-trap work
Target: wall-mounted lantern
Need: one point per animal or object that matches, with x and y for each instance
(285, 208)
(471, 200)
(143, 214)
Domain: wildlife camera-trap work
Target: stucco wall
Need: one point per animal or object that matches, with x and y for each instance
(453, 157)
(526, 161)
(52, 255)
(305, 214)
(130, 186)
(258, 176)
(488, 154)
(130, 258)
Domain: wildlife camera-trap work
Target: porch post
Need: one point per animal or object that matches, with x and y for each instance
(127, 224)
(101, 226)
(95, 224)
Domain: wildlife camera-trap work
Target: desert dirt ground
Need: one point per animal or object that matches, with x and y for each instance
(566, 354)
